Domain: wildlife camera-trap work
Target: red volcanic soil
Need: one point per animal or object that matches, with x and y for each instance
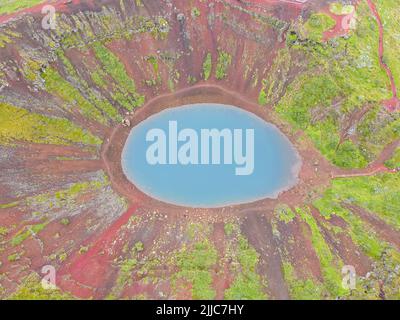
(92, 269)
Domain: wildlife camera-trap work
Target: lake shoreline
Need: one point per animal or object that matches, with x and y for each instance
(264, 166)
(309, 178)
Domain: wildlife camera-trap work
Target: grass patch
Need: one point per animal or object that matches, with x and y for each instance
(377, 194)
(389, 12)
(195, 264)
(3, 231)
(14, 257)
(330, 264)
(17, 124)
(60, 87)
(301, 289)
(31, 289)
(26, 233)
(195, 12)
(94, 98)
(341, 77)
(331, 203)
(115, 68)
(229, 228)
(207, 66)
(284, 213)
(317, 24)
(223, 63)
(11, 6)
(247, 284)
(394, 162)
(65, 198)
(263, 96)
(341, 9)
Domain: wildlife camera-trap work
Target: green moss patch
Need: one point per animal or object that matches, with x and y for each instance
(223, 63)
(342, 77)
(207, 66)
(195, 267)
(248, 283)
(58, 86)
(115, 68)
(18, 124)
(341, 9)
(317, 24)
(11, 6)
(330, 264)
(31, 289)
(300, 289)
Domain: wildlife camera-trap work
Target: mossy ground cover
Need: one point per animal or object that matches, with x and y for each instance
(341, 9)
(207, 66)
(272, 87)
(223, 63)
(383, 281)
(40, 204)
(317, 24)
(342, 76)
(114, 67)
(60, 87)
(195, 262)
(389, 12)
(330, 264)
(126, 266)
(26, 233)
(7, 36)
(300, 289)
(247, 283)
(11, 6)
(94, 97)
(384, 255)
(394, 161)
(19, 125)
(195, 13)
(332, 203)
(376, 194)
(65, 198)
(263, 96)
(195, 265)
(284, 213)
(31, 289)
(153, 68)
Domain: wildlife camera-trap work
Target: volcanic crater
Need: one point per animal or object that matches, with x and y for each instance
(70, 96)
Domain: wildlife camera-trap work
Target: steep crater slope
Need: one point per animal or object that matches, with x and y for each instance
(65, 202)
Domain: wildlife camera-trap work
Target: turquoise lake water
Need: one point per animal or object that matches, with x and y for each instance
(276, 163)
